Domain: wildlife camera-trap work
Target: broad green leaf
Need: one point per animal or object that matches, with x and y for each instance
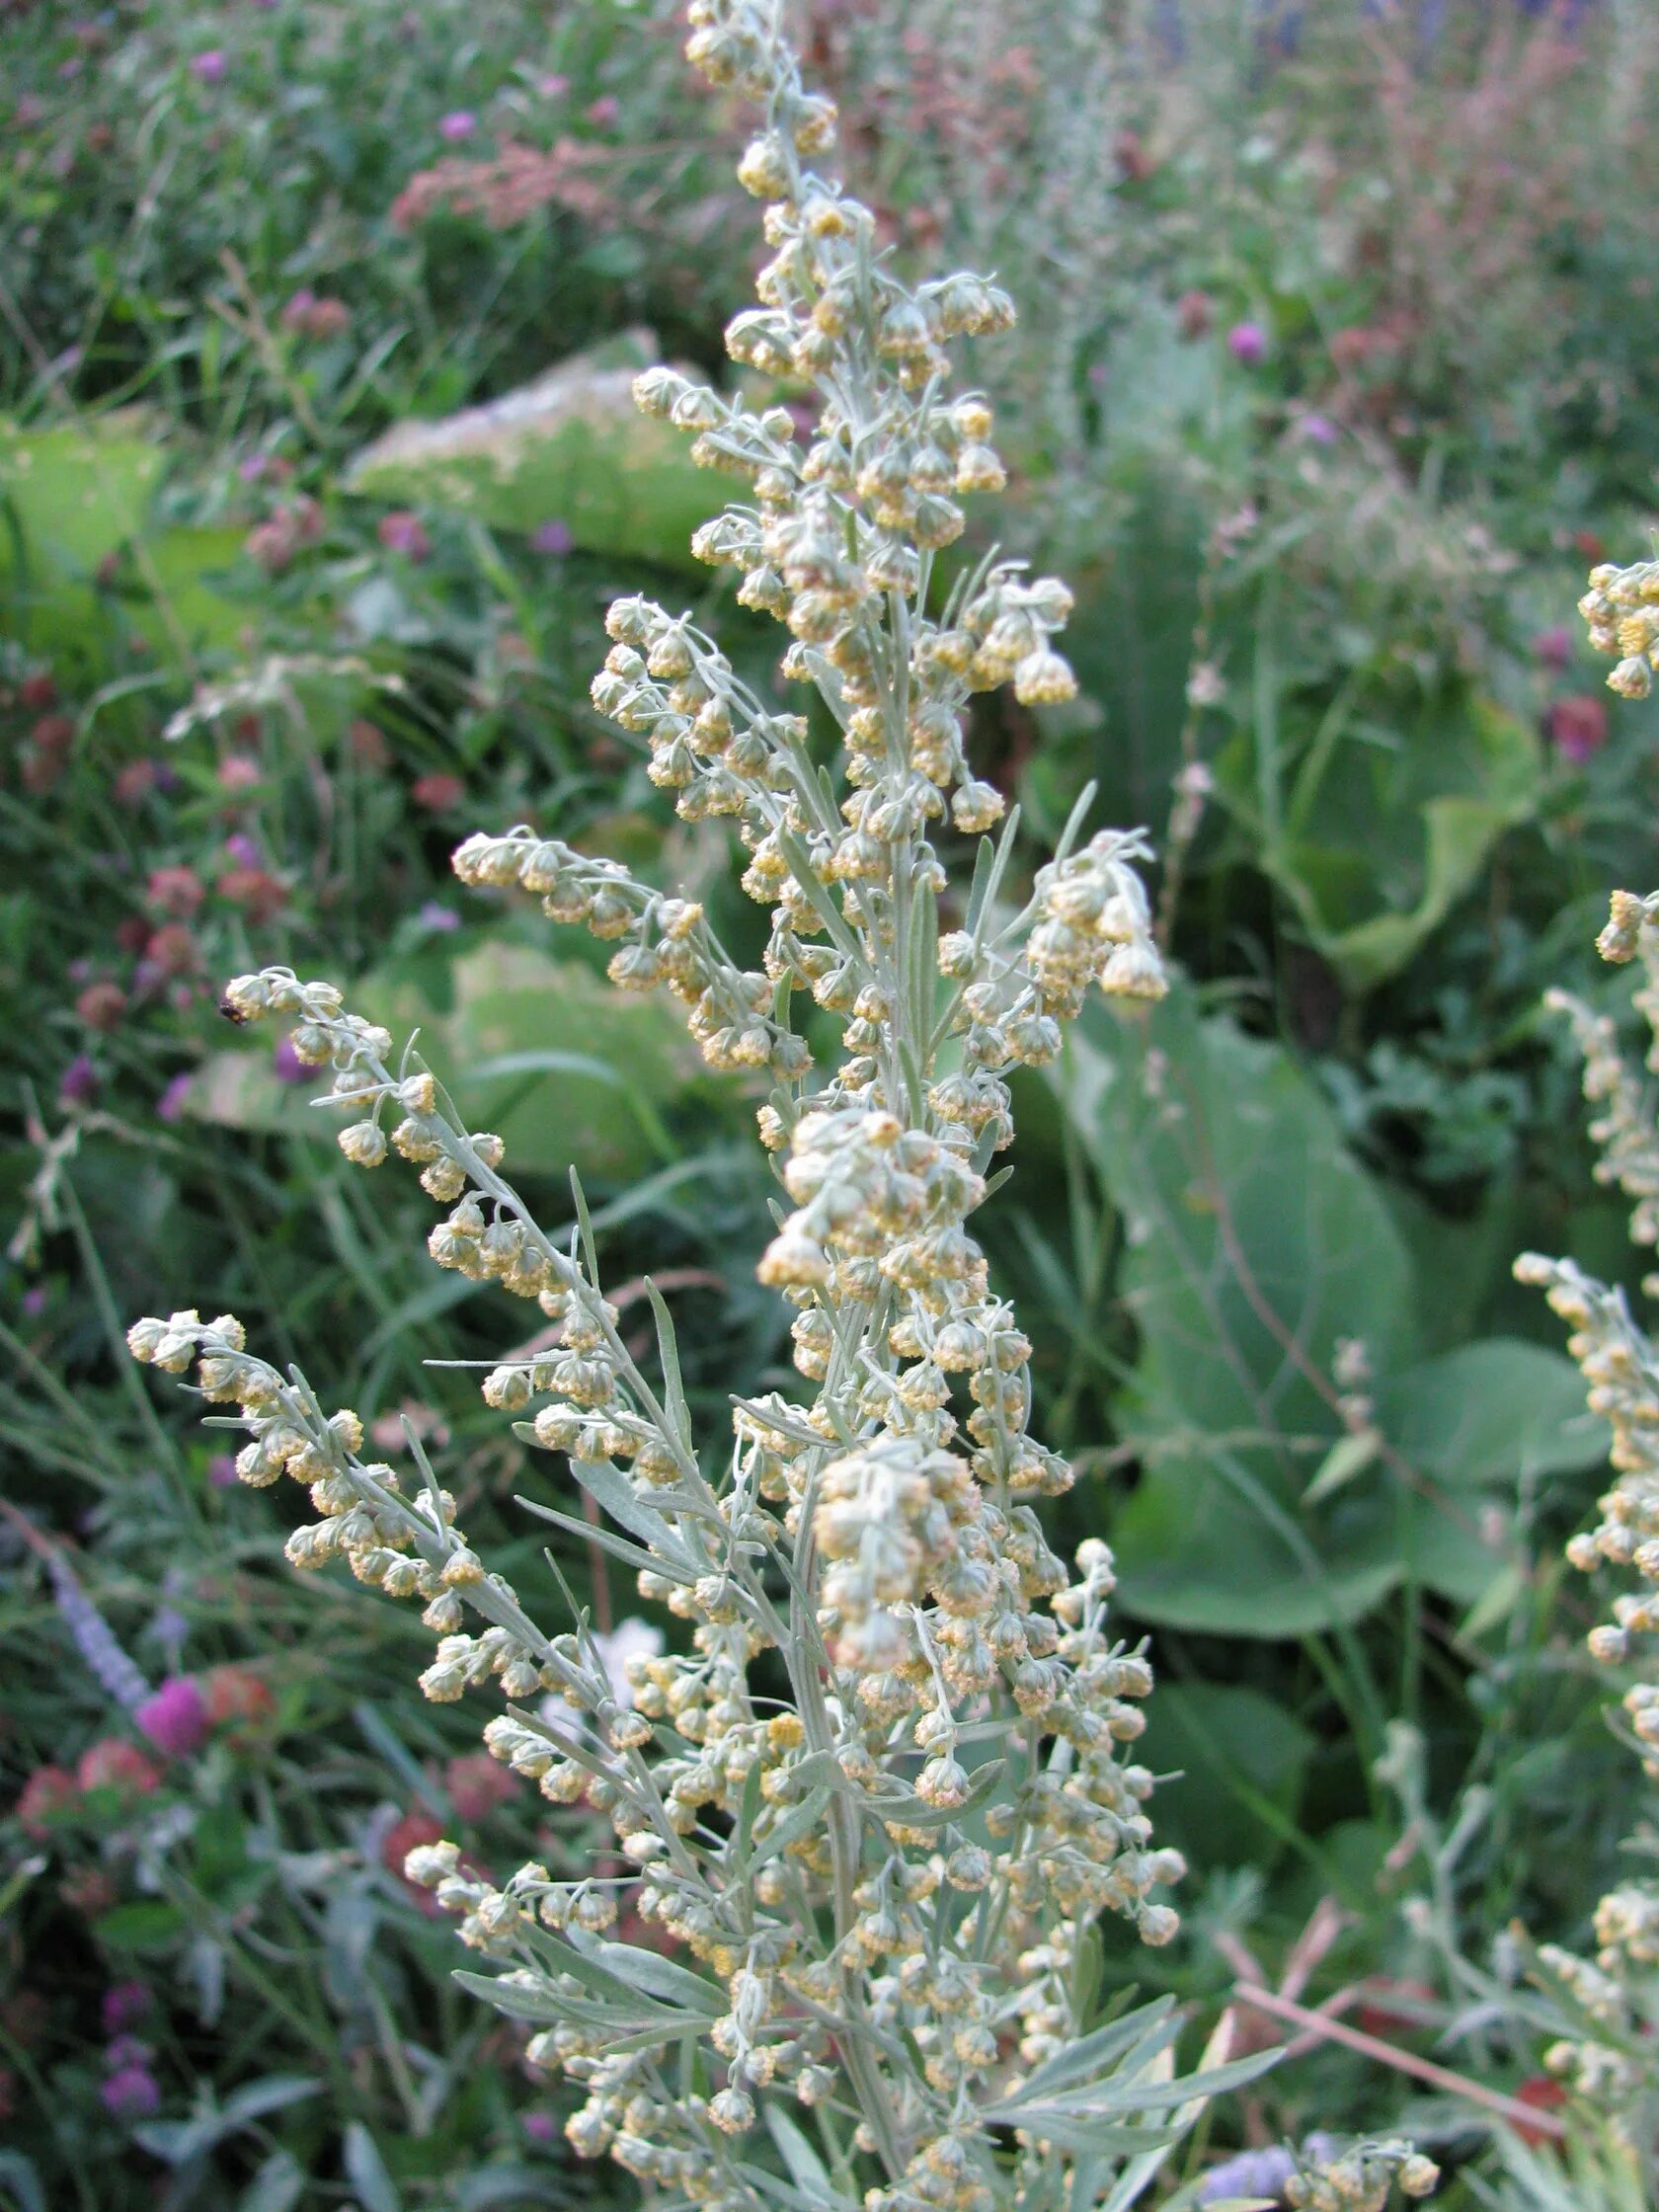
(1255, 1244)
(572, 447)
(509, 1000)
(77, 491)
(1241, 1762)
(1487, 1415)
(1401, 824)
(177, 569)
(70, 497)
(146, 1924)
(1493, 1411)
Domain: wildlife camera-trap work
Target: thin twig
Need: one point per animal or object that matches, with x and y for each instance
(1327, 2030)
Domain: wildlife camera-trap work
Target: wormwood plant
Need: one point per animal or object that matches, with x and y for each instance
(1605, 2052)
(871, 1811)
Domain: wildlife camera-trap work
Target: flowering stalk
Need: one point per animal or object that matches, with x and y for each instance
(1606, 2057)
(874, 1806)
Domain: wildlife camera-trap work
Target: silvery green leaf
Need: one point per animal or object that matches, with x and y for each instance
(1137, 2033)
(278, 2187)
(631, 1554)
(806, 2167)
(365, 2169)
(19, 2175)
(656, 1975)
(806, 1817)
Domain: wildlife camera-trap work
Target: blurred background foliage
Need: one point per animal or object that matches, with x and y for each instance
(317, 470)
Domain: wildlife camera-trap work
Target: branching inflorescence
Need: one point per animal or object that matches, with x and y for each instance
(1612, 2000)
(872, 1809)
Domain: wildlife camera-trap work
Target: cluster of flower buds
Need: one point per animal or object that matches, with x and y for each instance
(407, 1548)
(1622, 1130)
(1606, 2074)
(1621, 1367)
(1096, 925)
(1363, 2180)
(1620, 1990)
(1622, 609)
(663, 941)
(873, 1886)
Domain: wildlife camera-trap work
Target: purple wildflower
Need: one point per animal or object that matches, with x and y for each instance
(34, 1300)
(1247, 343)
(176, 1718)
(435, 915)
(131, 2093)
(1319, 429)
(459, 123)
(1553, 648)
(211, 67)
(541, 2127)
(1578, 727)
(169, 1628)
(169, 1106)
(221, 1472)
(604, 110)
(1250, 2174)
(78, 1082)
(552, 86)
(124, 2003)
(286, 1063)
(552, 537)
(404, 534)
(242, 849)
(95, 1640)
